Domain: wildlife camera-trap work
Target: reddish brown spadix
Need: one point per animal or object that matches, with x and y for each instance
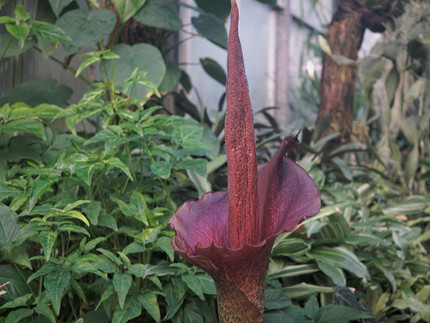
(230, 234)
(240, 146)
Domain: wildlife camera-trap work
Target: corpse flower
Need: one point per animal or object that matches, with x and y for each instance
(230, 234)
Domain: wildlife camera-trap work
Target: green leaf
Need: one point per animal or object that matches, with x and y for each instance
(340, 257)
(220, 8)
(40, 186)
(387, 273)
(92, 211)
(415, 90)
(44, 270)
(70, 214)
(344, 168)
(128, 8)
(291, 247)
(149, 302)
(303, 289)
(414, 304)
(106, 294)
(171, 78)
(271, 3)
(121, 283)
(10, 230)
(25, 125)
(43, 309)
(335, 274)
(324, 45)
(391, 84)
(55, 283)
(17, 302)
(18, 315)
(21, 13)
(86, 170)
(73, 228)
(212, 28)
(46, 111)
(19, 32)
(214, 70)
(293, 271)
(132, 309)
(13, 46)
(160, 14)
(47, 240)
(198, 165)
(411, 205)
(275, 299)
(340, 314)
(208, 284)
(86, 27)
(161, 169)
(17, 287)
(89, 61)
(90, 245)
(145, 57)
(164, 243)
(412, 165)
(51, 34)
(115, 162)
(194, 284)
(7, 20)
(37, 92)
(58, 5)
(311, 307)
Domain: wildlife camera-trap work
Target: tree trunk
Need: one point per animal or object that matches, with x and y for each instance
(344, 36)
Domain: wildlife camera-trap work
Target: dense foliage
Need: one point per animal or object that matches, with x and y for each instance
(84, 207)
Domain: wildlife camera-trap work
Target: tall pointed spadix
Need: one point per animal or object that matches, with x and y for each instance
(240, 145)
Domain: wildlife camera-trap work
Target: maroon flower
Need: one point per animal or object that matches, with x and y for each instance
(230, 234)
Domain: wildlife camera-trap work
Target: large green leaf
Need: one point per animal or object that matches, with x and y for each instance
(121, 283)
(340, 257)
(17, 287)
(10, 230)
(37, 92)
(13, 47)
(303, 289)
(47, 240)
(194, 284)
(18, 315)
(160, 14)
(132, 309)
(212, 28)
(17, 302)
(58, 5)
(128, 8)
(149, 302)
(220, 8)
(275, 299)
(25, 125)
(20, 32)
(410, 205)
(55, 283)
(199, 165)
(86, 27)
(145, 57)
(171, 78)
(214, 70)
(51, 34)
(340, 314)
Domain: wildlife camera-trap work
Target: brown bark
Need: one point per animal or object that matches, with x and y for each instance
(344, 36)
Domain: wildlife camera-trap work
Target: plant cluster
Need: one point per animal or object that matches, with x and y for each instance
(84, 206)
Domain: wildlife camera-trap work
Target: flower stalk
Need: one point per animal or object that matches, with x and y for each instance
(230, 234)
